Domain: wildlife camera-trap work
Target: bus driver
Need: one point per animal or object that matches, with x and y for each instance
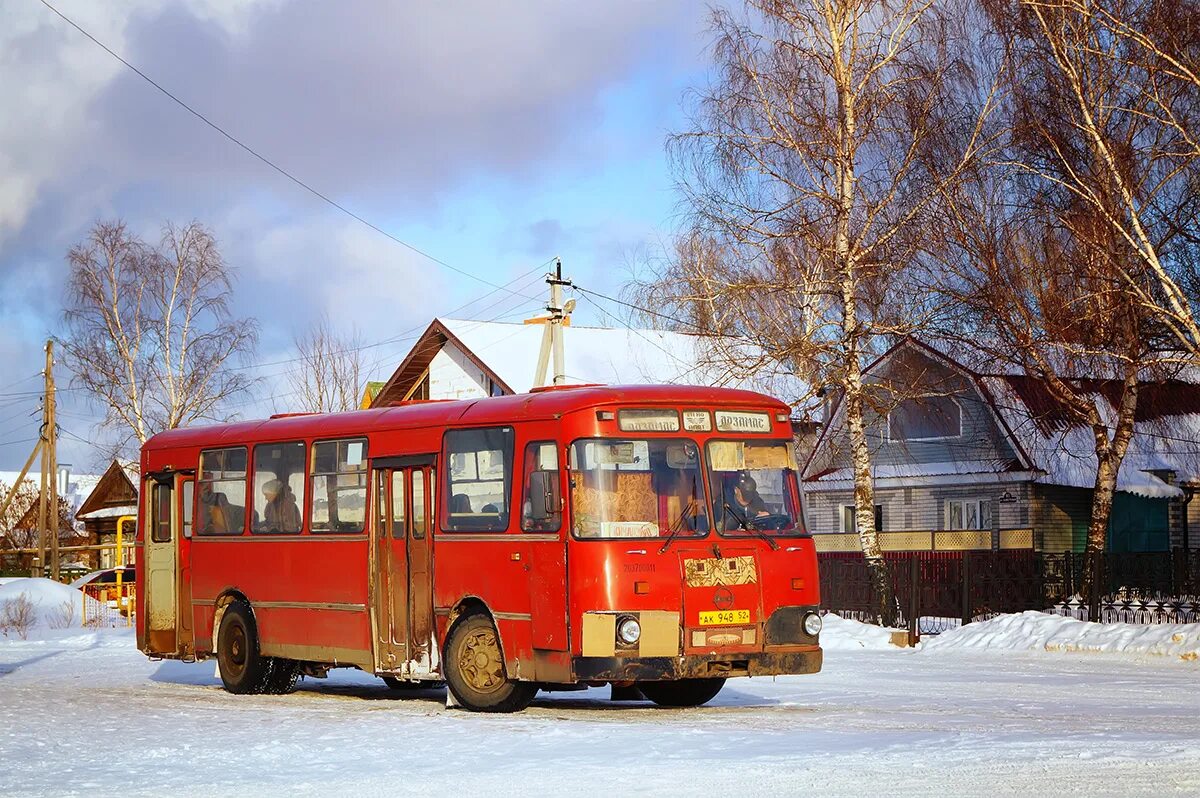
(746, 504)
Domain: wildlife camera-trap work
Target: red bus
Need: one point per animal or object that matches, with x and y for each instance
(639, 536)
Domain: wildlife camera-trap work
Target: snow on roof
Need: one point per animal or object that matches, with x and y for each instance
(1059, 451)
(615, 356)
(109, 512)
(919, 470)
(1067, 455)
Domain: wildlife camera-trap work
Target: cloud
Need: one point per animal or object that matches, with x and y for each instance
(374, 102)
(398, 110)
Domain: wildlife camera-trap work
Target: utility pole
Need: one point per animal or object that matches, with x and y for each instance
(52, 470)
(552, 333)
(48, 497)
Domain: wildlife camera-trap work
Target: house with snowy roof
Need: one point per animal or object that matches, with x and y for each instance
(114, 496)
(22, 532)
(461, 359)
(969, 454)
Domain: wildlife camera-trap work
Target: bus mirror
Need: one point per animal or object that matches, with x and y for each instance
(543, 495)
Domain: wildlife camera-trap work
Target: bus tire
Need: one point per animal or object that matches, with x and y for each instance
(244, 670)
(283, 676)
(475, 673)
(682, 692)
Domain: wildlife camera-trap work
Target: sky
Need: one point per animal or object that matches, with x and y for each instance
(493, 137)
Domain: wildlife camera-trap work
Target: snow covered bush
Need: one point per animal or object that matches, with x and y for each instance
(62, 617)
(17, 615)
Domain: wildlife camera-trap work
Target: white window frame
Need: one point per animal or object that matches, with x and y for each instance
(848, 519)
(887, 429)
(983, 512)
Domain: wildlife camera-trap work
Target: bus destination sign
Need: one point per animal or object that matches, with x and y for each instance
(734, 421)
(648, 420)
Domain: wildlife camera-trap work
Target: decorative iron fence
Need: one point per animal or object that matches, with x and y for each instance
(936, 591)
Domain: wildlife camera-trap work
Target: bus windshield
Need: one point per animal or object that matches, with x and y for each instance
(752, 487)
(637, 489)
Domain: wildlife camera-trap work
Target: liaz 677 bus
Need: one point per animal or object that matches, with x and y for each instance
(647, 537)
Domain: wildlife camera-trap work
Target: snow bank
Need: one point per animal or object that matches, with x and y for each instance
(50, 601)
(1032, 631)
(842, 634)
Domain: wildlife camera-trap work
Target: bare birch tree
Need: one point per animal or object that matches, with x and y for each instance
(328, 378)
(1069, 245)
(149, 331)
(1125, 76)
(805, 184)
(13, 537)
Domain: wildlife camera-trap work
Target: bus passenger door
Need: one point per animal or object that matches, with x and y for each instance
(185, 490)
(389, 569)
(161, 600)
(420, 572)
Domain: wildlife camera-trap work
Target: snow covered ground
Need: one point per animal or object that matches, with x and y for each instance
(83, 713)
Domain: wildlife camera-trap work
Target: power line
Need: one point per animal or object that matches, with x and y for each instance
(250, 150)
(654, 313)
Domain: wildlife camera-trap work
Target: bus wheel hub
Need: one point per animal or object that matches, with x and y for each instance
(480, 661)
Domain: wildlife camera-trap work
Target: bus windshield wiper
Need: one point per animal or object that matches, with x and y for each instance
(677, 527)
(744, 524)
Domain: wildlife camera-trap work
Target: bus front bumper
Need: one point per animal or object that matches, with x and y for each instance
(771, 663)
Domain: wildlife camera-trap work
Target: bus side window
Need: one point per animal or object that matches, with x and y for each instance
(160, 532)
(339, 486)
(541, 509)
(418, 503)
(278, 487)
(188, 506)
(398, 505)
(222, 487)
(478, 479)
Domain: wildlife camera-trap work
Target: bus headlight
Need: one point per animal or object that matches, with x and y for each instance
(812, 624)
(629, 631)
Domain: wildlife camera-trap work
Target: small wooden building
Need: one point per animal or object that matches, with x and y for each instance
(24, 535)
(114, 496)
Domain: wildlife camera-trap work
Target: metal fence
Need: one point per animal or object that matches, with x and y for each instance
(936, 591)
(108, 604)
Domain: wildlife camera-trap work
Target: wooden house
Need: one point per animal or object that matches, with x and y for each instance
(976, 457)
(115, 496)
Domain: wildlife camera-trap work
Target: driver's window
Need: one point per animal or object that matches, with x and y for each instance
(541, 509)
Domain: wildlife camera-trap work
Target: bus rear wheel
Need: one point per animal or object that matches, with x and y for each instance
(283, 677)
(244, 670)
(475, 669)
(682, 692)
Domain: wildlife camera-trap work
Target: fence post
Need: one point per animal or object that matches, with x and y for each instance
(1178, 571)
(966, 588)
(1094, 562)
(914, 601)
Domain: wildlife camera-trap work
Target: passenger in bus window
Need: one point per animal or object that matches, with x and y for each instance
(281, 513)
(214, 511)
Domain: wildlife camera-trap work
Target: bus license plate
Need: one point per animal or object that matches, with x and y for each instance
(723, 617)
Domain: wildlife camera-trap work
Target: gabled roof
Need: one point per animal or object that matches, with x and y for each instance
(1166, 432)
(115, 489)
(371, 390)
(507, 354)
(29, 520)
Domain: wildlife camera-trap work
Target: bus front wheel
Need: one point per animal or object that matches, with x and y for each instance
(244, 669)
(475, 669)
(683, 692)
